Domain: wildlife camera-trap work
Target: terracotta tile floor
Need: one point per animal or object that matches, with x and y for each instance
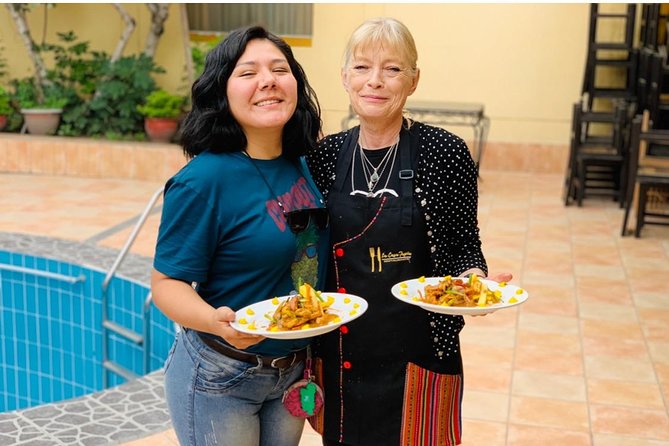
(584, 362)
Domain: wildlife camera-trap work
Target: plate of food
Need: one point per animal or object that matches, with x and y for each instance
(459, 295)
(302, 315)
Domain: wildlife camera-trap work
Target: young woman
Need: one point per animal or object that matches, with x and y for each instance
(241, 223)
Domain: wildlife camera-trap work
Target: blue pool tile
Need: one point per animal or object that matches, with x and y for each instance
(22, 359)
(46, 366)
(40, 263)
(50, 331)
(11, 376)
(68, 368)
(19, 299)
(33, 356)
(39, 281)
(16, 259)
(31, 325)
(30, 294)
(66, 337)
(79, 373)
(57, 364)
(9, 347)
(53, 266)
(77, 305)
(35, 395)
(46, 388)
(22, 383)
(65, 308)
(68, 390)
(20, 327)
(57, 390)
(8, 322)
(44, 328)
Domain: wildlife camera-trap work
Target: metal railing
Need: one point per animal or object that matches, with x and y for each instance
(40, 273)
(109, 326)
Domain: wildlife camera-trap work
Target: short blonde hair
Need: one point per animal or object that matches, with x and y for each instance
(383, 31)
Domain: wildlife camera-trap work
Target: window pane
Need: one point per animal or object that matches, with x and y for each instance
(287, 19)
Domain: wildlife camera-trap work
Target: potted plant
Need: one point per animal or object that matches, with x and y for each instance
(5, 108)
(41, 115)
(162, 113)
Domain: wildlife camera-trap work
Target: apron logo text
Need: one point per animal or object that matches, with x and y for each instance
(378, 258)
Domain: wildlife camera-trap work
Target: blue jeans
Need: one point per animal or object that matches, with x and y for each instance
(217, 400)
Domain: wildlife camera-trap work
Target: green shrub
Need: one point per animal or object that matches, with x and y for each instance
(99, 98)
(5, 106)
(25, 95)
(161, 104)
(112, 112)
(199, 51)
(3, 64)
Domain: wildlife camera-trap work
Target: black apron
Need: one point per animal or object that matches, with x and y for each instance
(377, 242)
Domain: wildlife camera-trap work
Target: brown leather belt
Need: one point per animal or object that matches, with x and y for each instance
(277, 362)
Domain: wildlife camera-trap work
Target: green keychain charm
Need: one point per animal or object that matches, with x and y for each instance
(308, 398)
(304, 398)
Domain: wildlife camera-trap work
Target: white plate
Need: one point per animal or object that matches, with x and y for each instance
(346, 306)
(407, 291)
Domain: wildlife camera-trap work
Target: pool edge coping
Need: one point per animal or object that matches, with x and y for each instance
(132, 410)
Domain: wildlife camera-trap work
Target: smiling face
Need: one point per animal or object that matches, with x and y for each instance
(378, 82)
(262, 91)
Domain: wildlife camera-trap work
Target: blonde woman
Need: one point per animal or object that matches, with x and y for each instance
(403, 200)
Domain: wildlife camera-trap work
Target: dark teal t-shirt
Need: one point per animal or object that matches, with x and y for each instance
(223, 228)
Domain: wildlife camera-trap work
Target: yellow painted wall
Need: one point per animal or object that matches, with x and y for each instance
(525, 62)
(101, 25)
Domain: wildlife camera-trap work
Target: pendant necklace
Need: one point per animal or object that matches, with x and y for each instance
(371, 172)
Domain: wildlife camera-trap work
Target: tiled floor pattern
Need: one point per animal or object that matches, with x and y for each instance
(584, 362)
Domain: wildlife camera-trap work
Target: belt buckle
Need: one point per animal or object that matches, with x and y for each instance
(273, 364)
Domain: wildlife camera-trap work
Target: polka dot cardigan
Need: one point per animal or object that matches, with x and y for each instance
(445, 188)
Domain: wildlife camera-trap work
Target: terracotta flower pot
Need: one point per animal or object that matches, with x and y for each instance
(3, 122)
(41, 121)
(161, 129)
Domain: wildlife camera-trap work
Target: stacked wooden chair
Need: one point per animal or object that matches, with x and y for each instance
(648, 176)
(598, 166)
(600, 120)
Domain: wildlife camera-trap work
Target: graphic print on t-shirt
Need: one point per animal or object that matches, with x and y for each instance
(305, 264)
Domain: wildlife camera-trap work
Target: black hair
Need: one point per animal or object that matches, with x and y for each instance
(210, 124)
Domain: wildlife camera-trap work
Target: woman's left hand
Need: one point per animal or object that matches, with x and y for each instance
(501, 277)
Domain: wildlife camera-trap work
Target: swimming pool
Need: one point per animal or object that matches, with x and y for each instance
(50, 329)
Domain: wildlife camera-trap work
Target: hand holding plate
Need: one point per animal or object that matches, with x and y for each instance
(223, 316)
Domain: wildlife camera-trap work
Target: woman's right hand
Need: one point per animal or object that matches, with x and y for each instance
(222, 318)
(181, 303)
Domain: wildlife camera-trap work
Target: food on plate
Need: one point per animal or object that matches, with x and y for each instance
(460, 292)
(303, 310)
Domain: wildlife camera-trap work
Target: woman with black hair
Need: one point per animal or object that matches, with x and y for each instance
(242, 222)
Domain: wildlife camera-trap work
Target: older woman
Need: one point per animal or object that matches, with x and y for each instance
(403, 199)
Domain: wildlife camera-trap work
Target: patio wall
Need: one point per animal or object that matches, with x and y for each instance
(57, 155)
(84, 157)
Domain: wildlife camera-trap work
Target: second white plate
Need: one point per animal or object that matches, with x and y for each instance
(408, 291)
(254, 319)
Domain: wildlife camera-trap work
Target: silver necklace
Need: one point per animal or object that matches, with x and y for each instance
(371, 172)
